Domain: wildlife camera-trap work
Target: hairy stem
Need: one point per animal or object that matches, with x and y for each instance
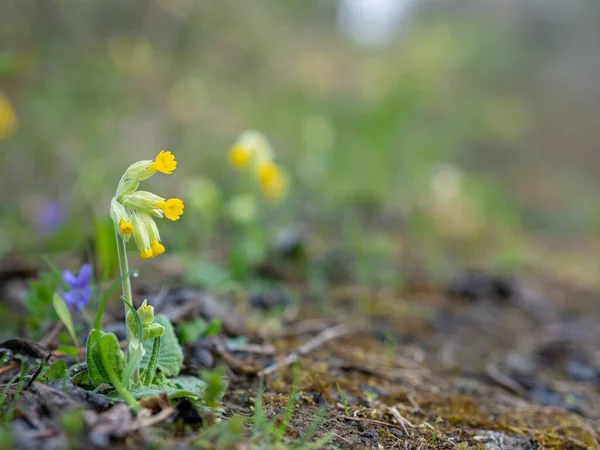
(149, 374)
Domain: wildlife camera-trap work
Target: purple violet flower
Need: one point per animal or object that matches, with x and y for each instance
(80, 292)
(49, 218)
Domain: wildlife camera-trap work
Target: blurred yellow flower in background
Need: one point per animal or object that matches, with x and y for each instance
(8, 117)
(252, 149)
(239, 157)
(271, 179)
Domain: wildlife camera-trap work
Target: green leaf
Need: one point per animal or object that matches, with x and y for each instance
(65, 316)
(105, 351)
(106, 251)
(197, 329)
(216, 384)
(73, 352)
(214, 327)
(93, 371)
(189, 383)
(110, 362)
(170, 356)
(178, 387)
(207, 275)
(57, 370)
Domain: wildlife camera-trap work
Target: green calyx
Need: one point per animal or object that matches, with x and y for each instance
(150, 330)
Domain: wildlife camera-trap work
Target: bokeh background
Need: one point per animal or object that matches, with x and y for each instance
(440, 129)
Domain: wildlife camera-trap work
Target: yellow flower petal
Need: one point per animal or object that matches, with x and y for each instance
(173, 208)
(145, 254)
(125, 227)
(157, 248)
(164, 162)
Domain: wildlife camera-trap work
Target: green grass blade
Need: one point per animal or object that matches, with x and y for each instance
(65, 316)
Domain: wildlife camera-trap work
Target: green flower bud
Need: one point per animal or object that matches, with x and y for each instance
(126, 188)
(146, 313)
(152, 331)
(139, 171)
(143, 200)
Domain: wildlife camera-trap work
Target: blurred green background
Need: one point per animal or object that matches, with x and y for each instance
(469, 126)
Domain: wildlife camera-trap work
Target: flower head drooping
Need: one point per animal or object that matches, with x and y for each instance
(80, 291)
(133, 211)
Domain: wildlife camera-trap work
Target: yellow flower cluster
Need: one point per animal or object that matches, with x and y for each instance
(133, 211)
(253, 151)
(8, 117)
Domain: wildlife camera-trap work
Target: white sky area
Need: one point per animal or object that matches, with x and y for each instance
(373, 22)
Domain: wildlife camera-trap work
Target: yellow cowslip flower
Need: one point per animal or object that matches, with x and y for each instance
(250, 147)
(146, 236)
(141, 170)
(271, 179)
(121, 219)
(145, 201)
(132, 211)
(125, 228)
(155, 205)
(8, 117)
(172, 208)
(164, 162)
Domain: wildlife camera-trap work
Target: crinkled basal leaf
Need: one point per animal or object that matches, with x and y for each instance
(189, 383)
(93, 371)
(170, 356)
(109, 345)
(184, 386)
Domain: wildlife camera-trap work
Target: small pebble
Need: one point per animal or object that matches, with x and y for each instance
(580, 371)
(369, 434)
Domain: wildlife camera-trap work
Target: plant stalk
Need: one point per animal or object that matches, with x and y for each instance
(126, 285)
(149, 375)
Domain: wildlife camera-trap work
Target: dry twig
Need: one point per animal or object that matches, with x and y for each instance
(307, 347)
(401, 420)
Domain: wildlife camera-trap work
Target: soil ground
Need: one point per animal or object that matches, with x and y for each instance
(481, 361)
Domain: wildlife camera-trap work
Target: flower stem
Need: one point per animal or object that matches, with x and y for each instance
(149, 375)
(126, 285)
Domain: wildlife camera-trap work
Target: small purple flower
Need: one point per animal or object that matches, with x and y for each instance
(49, 218)
(80, 292)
